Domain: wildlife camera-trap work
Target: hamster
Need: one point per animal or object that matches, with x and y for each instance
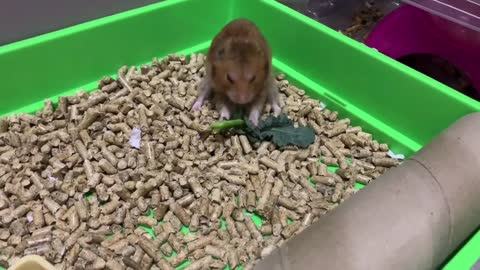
(239, 72)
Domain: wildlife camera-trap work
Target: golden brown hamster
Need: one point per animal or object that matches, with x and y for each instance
(239, 72)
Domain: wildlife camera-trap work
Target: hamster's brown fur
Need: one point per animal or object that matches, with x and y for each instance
(239, 72)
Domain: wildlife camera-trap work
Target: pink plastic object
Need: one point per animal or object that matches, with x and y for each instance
(409, 30)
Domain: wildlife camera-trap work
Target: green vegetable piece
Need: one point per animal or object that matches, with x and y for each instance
(281, 131)
(220, 126)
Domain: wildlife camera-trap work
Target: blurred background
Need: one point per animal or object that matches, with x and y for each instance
(21, 19)
(357, 18)
(18, 22)
(354, 18)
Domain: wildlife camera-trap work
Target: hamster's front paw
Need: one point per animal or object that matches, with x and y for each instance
(225, 113)
(254, 117)
(197, 105)
(276, 109)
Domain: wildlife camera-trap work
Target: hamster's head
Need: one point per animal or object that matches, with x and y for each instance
(239, 70)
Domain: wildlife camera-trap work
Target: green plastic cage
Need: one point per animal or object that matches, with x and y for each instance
(390, 100)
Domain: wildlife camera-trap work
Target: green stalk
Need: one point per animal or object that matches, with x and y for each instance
(220, 126)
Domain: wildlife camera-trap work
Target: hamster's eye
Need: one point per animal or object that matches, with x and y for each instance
(221, 52)
(229, 78)
(253, 79)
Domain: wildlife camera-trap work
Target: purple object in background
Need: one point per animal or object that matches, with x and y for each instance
(409, 30)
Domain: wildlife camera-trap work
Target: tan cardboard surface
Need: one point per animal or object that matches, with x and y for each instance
(32, 262)
(456, 167)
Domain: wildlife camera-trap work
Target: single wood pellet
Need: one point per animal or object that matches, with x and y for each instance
(75, 174)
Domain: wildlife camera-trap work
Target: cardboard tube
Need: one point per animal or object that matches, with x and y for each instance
(32, 262)
(412, 217)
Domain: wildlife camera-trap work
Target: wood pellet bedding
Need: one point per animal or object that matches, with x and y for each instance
(122, 178)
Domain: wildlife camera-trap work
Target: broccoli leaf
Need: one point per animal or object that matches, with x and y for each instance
(278, 129)
(281, 131)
